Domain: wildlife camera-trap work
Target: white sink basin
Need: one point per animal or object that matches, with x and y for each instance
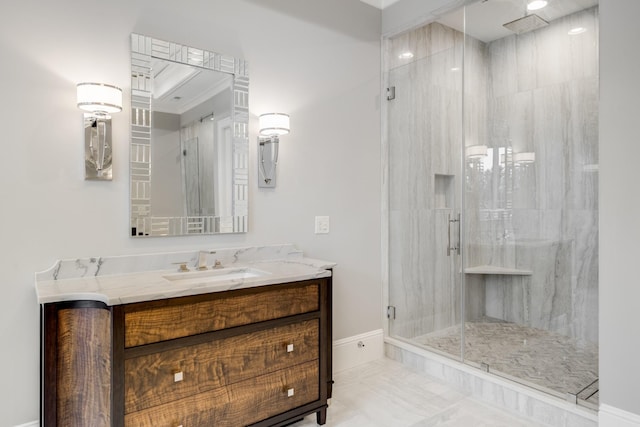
(216, 275)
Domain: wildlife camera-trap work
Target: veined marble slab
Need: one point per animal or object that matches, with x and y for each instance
(493, 269)
(136, 278)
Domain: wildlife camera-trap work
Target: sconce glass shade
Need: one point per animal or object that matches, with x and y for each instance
(524, 157)
(99, 98)
(273, 124)
(477, 151)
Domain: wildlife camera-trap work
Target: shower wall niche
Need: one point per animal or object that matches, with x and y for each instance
(444, 189)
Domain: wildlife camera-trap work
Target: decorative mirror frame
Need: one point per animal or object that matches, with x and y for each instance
(143, 50)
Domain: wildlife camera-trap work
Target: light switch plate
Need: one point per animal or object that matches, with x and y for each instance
(322, 225)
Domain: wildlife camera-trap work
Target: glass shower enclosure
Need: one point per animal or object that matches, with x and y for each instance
(492, 136)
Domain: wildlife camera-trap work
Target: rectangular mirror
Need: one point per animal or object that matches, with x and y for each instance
(189, 140)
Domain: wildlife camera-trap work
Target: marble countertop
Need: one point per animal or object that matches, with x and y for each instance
(137, 278)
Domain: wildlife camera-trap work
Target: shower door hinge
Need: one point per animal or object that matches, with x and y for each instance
(391, 312)
(450, 247)
(391, 93)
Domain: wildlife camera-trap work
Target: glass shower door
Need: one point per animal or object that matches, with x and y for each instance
(530, 198)
(498, 123)
(425, 139)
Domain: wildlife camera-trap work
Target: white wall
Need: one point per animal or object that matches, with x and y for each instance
(619, 204)
(318, 60)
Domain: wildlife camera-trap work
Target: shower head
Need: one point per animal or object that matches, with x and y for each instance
(525, 24)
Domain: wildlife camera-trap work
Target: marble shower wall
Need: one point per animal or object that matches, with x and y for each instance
(542, 98)
(536, 92)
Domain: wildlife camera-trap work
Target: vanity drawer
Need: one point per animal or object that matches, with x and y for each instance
(175, 374)
(238, 404)
(151, 322)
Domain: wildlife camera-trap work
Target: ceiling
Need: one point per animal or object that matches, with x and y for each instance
(485, 18)
(179, 87)
(380, 4)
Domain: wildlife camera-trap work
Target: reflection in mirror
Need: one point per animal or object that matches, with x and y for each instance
(189, 115)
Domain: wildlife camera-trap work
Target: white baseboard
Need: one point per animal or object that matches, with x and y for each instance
(31, 424)
(610, 416)
(347, 354)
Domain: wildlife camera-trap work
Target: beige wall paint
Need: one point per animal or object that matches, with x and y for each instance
(317, 60)
(619, 204)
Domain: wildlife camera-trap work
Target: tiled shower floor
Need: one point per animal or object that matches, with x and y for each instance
(545, 360)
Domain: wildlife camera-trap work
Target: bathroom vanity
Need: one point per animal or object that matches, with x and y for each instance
(247, 343)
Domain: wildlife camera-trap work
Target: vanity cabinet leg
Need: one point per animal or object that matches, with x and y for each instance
(77, 364)
(321, 416)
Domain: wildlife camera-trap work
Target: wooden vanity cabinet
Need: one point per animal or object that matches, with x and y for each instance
(256, 356)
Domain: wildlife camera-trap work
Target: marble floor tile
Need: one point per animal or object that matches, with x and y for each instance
(385, 393)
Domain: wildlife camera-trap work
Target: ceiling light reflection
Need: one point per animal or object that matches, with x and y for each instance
(536, 4)
(577, 30)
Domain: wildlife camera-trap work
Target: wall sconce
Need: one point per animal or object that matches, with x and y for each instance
(476, 151)
(272, 125)
(524, 158)
(100, 101)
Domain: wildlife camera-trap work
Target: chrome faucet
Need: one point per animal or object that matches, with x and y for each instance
(202, 259)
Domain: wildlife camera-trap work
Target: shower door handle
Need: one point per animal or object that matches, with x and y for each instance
(457, 246)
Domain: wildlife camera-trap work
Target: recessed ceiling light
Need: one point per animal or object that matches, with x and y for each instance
(577, 30)
(406, 55)
(455, 69)
(536, 4)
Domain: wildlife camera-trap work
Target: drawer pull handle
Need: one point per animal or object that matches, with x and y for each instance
(290, 392)
(177, 377)
(289, 348)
